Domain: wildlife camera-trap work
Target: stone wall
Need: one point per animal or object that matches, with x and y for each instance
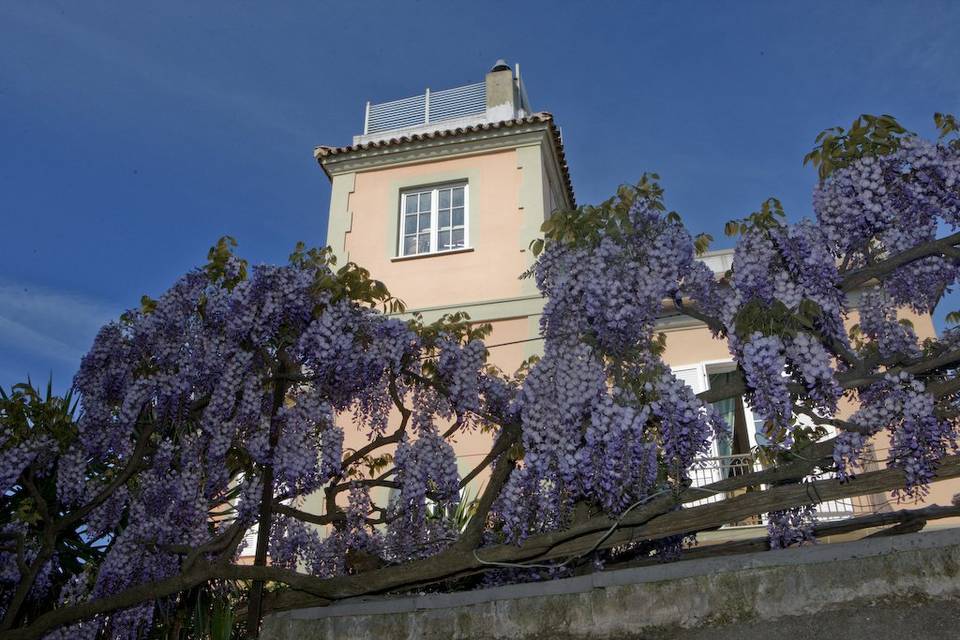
(873, 588)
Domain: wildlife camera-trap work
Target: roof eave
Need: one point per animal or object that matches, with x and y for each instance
(324, 153)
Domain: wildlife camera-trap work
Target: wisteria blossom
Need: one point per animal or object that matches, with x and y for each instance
(236, 399)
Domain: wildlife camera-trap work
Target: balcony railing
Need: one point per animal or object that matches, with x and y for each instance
(709, 470)
(436, 106)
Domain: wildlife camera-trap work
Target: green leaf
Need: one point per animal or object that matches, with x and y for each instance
(868, 135)
(217, 259)
(946, 123)
(147, 304)
(221, 620)
(701, 243)
(586, 225)
(27, 512)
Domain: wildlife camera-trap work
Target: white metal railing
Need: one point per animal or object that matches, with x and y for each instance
(709, 470)
(437, 106)
(250, 542)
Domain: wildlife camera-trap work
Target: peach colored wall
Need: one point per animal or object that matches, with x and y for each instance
(693, 345)
(488, 272)
(509, 356)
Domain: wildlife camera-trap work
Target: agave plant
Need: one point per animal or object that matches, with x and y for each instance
(460, 513)
(203, 613)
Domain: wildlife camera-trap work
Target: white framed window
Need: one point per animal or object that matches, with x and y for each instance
(434, 219)
(748, 430)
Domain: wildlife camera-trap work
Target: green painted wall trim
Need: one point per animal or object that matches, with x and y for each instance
(531, 205)
(340, 218)
(484, 310)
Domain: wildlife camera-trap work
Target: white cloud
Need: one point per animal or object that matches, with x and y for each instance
(17, 335)
(50, 324)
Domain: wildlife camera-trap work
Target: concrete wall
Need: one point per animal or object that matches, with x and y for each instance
(798, 593)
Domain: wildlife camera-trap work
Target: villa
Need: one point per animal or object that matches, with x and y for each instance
(440, 197)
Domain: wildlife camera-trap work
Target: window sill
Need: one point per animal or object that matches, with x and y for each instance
(434, 254)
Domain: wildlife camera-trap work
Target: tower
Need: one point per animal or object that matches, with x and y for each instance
(440, 197)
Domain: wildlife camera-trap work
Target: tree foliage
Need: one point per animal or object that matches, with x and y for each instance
(222, 404)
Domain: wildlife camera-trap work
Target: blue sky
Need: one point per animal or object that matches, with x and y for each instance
(134, 137)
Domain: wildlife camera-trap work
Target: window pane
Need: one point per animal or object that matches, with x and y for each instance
(444, 218)
(409, 245)
(457, 239)
(425, 201)
(458, 217)
(424, 244)
(458, 197)
(424, 221)
(444, 198)
(411, 203)
(443, 239)
(410, 224)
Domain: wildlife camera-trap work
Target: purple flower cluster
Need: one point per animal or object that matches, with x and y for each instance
(788, 265)
(459, 366)
(890, 203)
(807, 270)
(878, 322)
(306, 426)
(330, 556)
(919, 437)
(501, 398)
(167, 509)
(591, 432)
(792, 526)
(811, 363)
(75, 591)
(530, 504)
(764, 361)
(14, 459)
(200, 365)
(921, 441)
(559, 394)
(618, 465)
(9, 569)
(613, 292)
(753, 268)
(424, 466)
(784, 268)
(685, 426)
(701, 286)
(292, 541)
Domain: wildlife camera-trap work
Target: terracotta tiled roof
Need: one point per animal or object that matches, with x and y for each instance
(323, 152)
